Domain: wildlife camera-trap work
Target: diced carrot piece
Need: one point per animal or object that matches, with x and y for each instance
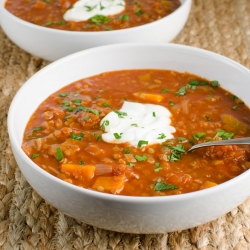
(39, 5)
(149, 97)
(109, 184)
(86, 171)
(235, 124)
(144, 78)
(208, 184)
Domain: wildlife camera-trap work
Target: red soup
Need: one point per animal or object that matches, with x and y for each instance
(51, 13)
(70, 134)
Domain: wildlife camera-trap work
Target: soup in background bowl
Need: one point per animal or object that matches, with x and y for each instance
(52, 44)
(121, 212)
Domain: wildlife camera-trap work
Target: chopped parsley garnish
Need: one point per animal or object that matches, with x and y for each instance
(123, 17)
(34, 156)
(141, 142)
(235, 98)
(67, 117)
(171, 103)
(127, 151)
(158, 167)
(181, 91)
(77, 101)
(97, 137)
(182, 139)
(90, 110)
(55, 23)
(154, 114)
(130, 164)
(76, 94)
(138, 12)
(117, 136)
(161, 136)
(81, 162)
(120, 114)
(134, 125)
(176, 152)
(77, 137)
(100, 19)
(96, 97)
(235, 107)
(224, 135)
(90, 8)
(141, 157)
(164, 90)
(86, 118)
(59, 154)
(105, 123)
(63, 94)
(162, 186)
(215, 83)
(208, 118)
(37, 128)
(199, 135)
(104, 104)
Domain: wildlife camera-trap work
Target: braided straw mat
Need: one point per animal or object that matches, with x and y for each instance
(29, 222)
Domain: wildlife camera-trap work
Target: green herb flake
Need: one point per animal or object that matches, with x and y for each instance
(215, 83)
(162, 186)
(67, 117)
(81, 163)
(235, 98)
(154, 115)
(127, 151)
(123, 17)
(130, 164)
(161, 136)
(176, 152)
(76, 94)
(171, 103)
(97, 137)
(199, 135)
(77, 101)
(104, 124)
(208, 118)
(235, 107)
(141, 157)
(164, 90)
(138, 12)
(117, 136)
(63, 94)
(37, 128)
(77, 137)
(182, 139)
(59, 154)
(104, 104)
(96, 97)
(100, 19)
(90, 8)
(224, 135)
(86, 118)
(120, 114)
(141, 142)
(181, 91)
(134, 125)
(35, 156)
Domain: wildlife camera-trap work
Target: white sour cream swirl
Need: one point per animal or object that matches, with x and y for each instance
(85, 9)
(136, 122)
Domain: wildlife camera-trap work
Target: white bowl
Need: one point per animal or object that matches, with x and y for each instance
(52, 44)
(123, 213)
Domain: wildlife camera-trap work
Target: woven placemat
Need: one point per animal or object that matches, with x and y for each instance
(29, 222)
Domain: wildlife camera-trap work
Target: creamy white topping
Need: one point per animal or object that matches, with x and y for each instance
(139, 124)
(85, 9)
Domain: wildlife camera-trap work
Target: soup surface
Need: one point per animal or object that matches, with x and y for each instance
(67, 134)
(51, 13)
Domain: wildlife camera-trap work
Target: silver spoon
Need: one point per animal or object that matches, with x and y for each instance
(237, 141)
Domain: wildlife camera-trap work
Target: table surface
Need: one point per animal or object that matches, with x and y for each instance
(28, 222)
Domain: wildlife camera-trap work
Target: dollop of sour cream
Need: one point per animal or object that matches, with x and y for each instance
(85, 9)
(138, 124)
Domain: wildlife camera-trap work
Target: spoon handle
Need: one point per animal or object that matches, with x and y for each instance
(237, 141)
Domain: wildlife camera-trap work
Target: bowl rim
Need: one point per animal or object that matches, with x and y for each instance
(113, 197)
(184, 3)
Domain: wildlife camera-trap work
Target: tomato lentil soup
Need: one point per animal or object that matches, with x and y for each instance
(50, 13)
(64, 135)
